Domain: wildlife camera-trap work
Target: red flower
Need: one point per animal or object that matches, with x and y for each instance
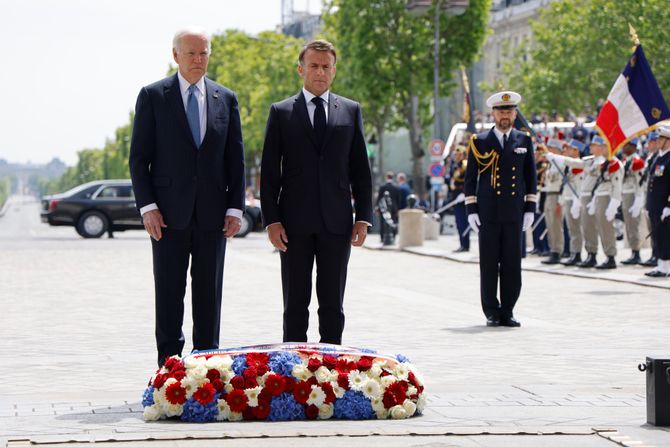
(344, 366)
(312, 381)
(343, 380)
(250, 372)
(313, 364)
(289, 384)
(175, 393)
(412, 379)
(399, 390)
(178, 375)
(275, 384)
(364, 363)
(312, 411)
(250, 383)
(170, 363)
(237, 382)
(389, 400)
(262, 369)
(301, 391)
(159, 381)
(248, 414)
(262, 411)
(265, 396)
(330, 394)
(218, 385)
(204, 394)
(257, 358)
(329, 361)
(213, 374)
(237, 400)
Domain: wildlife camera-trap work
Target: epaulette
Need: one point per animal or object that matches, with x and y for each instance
(577, 171)
(614, 166)
(638, 164)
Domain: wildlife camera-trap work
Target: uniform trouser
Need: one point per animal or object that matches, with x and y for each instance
(650, 232)
(500, 254)
(574, 228)
(554, 218)
(632, 223)
(605, 228)
(462, 224)
(589, 228)
(661, 233)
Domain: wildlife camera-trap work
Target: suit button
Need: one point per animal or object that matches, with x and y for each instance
(497, 176)
(513, 168)
(498, 192)
(513, 193)
(514, 177)
(513, 185)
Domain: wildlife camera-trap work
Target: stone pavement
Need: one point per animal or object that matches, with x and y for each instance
(78, 348)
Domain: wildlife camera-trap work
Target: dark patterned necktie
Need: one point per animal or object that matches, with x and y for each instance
(504, 141)
(319, 119)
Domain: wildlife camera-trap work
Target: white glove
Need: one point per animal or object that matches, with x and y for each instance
(473, 220)
(460, 198)
(591, 207)
(612, 207)
(575, 208)
(636, 208)
(528, 219)
(550, 156)
(665, 213)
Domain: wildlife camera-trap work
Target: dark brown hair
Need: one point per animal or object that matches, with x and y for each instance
(318, 45)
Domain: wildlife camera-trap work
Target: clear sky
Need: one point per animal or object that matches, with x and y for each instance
(71, 69)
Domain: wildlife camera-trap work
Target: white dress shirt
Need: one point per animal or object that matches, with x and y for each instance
(311, 107)
(201, 97)
(499, 135)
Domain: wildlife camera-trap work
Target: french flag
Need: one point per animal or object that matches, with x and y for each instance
(634, 105)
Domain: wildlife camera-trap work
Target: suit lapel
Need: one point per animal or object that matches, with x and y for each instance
(492, 141)
(333, 115)
(300, 112)
(213, 98)
(174, 100)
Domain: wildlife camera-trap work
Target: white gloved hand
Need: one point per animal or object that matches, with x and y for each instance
(636, 208)
(460, 198)
(550, 156)
(575, 208)
(665, 213)
(591, 207)
(612, 207)
(475, 223)
(528, 219)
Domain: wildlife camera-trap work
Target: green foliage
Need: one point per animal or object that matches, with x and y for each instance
(5, 189)
(581, 46)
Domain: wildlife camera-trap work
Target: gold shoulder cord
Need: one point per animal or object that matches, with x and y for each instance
(484, 162)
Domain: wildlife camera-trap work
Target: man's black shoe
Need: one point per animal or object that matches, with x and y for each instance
(657, 274)
(574, 260)
(461, 250)
(535, 251)
(609, 264)
(565, 254)
(554, 258)
(651, 262)
(492, 322)
(634, 259)
(510, 322)
(590, 261)
(544, 254)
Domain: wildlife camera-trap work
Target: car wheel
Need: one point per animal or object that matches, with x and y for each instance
(92, 224)
(247, 225)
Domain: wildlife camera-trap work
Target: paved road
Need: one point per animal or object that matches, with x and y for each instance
(77, 331)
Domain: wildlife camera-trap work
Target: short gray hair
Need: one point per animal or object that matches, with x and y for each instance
(191, 31)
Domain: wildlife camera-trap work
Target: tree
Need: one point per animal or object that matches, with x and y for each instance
(581, 46)
(388, 62)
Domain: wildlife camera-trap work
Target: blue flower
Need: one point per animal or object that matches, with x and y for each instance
(285, 408)
(353, 405)
(283, 362)
(401, 358)
(239, 364)
(194, 411)
(148, 397)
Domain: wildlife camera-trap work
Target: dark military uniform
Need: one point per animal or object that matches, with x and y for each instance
(457, 186)
(658, 197)
(500, 186)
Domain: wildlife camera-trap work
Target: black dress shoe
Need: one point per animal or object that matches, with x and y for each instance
(510, 322)
(461, 250)
(574, 260)
(609, 264)
(544, 254)
(535, 251)
(565, 254)
(589, 262)
(634, 259)
(492, 321)
(657, 274)
(651, 262)
(554, 258)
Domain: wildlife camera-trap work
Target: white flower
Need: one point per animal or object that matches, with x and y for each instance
(301, 372)
(382, 413)
(338, 390)
(322, 374)
(398, 412)
(224, 410)
(371, 389)
(159, 396)
(261, 379)
(220, 362)
(387, 380)
(172, 409)
(191, 384)
(152, 413)
(192, 362)
(235, 416)
(411, 391)
(377, 404)
(421, 403)
(410, 407)
(228, 388)
(199, 372)
(317, 396)
(226, 375)
(357, 380)
(252, 395)
(401, 371)
(325, 411)
(375, 372)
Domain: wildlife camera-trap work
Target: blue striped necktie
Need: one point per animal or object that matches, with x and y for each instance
(193, 114)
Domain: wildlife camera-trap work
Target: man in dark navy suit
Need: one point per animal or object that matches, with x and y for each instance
(187, 167)
(314, 163)
(500, 197)
(658, 204)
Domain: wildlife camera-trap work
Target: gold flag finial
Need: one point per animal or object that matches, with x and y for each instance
(633, 35)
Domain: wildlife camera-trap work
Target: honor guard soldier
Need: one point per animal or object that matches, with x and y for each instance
(457, 187)
(606, 200)
(658, 203)
(500, 198)
(652, 153)
(632, 197)
(553, 215)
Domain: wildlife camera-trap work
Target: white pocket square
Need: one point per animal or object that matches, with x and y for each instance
(520, 150)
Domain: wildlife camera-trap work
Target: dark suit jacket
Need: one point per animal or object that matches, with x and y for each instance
(516, 180)
(304, 185)
(394, 193)
(167, 167)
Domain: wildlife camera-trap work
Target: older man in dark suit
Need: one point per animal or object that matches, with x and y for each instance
(314, 162)
(187, 167)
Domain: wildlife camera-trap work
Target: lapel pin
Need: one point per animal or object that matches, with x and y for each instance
(215, 95)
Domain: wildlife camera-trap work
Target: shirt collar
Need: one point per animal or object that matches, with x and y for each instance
(308, 96)
(184, 84)
(499, 134)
